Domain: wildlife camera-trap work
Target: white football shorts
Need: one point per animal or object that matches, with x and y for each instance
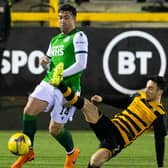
(56, 102)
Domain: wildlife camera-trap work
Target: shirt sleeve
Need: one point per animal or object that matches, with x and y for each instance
(119, 101)
(159, 136)
(80, 43)
(48, 53)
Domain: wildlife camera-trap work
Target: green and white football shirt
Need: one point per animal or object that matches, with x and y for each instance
(65, 48)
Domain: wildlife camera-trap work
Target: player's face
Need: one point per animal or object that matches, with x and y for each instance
(66, 21)
(153, 93)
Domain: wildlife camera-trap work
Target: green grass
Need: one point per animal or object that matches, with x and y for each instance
(49, 154)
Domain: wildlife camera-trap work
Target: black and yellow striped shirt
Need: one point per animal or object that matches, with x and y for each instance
(137, 117)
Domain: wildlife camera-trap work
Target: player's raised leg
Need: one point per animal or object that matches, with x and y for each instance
(89, 110)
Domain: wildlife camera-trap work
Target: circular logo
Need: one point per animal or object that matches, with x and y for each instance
(119, 38)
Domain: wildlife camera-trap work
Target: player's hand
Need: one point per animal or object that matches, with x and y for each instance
(96, 98)
(44, 61)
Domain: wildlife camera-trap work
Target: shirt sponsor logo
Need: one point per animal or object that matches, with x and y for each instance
(57, 50)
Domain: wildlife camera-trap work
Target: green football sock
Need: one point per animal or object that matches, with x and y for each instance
(29, 126)
(65, 139)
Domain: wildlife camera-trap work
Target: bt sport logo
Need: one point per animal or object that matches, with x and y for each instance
(129, 57)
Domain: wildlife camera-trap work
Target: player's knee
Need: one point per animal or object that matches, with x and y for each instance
(28, 110)
(54, 129)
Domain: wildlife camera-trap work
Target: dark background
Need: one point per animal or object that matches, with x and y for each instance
(14, 88)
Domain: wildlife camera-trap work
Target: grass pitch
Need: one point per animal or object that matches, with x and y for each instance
(49, 154)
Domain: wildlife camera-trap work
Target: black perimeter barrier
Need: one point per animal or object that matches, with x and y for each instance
(119, 62)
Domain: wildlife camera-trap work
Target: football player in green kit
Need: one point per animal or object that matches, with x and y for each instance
(71, 48)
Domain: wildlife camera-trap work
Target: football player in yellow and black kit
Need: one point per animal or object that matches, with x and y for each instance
(141, 111)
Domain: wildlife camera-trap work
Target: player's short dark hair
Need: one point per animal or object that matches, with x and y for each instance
(161, 82)
(68, 7)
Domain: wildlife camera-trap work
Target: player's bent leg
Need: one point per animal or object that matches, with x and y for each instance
(90, 112)
(64, 137)
(99, 157)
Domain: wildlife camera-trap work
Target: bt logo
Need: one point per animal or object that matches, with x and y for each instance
(131, 55)
(126, 60)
